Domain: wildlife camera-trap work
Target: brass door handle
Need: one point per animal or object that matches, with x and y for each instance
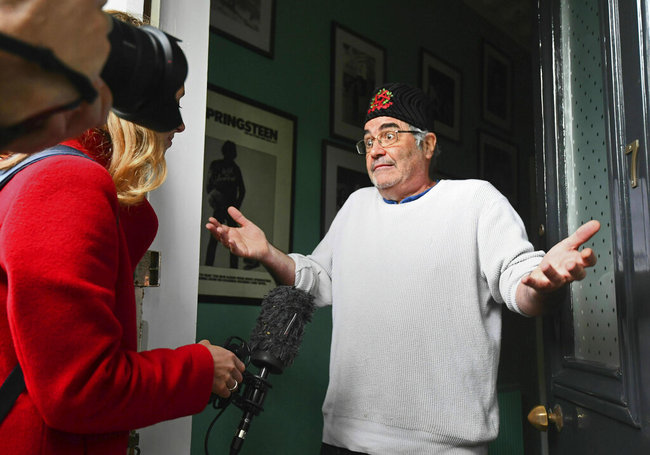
(539, 417)
(633, 148)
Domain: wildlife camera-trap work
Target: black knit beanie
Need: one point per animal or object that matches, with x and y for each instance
(402, 102)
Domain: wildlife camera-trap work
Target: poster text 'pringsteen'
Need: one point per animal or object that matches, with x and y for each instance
(251, 128)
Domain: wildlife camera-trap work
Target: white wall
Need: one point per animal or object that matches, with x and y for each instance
(134, 7)
(170, 310)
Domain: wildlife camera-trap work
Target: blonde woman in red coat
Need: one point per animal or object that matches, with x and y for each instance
(71, 233)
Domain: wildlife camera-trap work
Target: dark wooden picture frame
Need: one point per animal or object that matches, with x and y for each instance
(497, 87)
(498, 164)
(248, 23)
(442, 83)
(358, 67)
(249, 161)
(344, 171)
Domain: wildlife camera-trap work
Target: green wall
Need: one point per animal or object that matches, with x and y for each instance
(297, 81)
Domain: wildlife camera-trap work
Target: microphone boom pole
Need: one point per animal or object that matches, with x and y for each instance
(253, 399)
(274, 343)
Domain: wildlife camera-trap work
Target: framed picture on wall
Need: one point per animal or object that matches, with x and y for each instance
(497, 87)
(344, 172)
(498, 164)
(246, 22)
(358, 67)
(442, 83)
(249, 164)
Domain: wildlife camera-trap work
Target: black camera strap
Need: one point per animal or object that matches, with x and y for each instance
(46, 59)
(11, 390)
(8, 134)
(14, 385)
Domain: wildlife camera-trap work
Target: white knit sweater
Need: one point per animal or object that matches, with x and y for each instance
(414, 289)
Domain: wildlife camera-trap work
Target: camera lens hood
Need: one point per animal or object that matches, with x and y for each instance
(145, 69)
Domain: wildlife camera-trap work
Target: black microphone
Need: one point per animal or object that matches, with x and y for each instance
(274, 344)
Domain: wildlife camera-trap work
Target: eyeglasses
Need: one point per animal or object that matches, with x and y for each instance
(385, 138)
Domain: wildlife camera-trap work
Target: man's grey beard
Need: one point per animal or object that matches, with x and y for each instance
(384, 185)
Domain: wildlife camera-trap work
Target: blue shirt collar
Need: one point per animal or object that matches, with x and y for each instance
(410, 198)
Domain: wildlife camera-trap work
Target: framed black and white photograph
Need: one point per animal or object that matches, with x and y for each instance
(442, 84)
(250, 23)
(344, 172)
(248, 164)
(497, 87)
(498, 164)
(358, 67)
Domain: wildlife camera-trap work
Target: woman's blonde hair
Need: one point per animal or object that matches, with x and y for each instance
(137, 163)
(8, 160)
(135, 157)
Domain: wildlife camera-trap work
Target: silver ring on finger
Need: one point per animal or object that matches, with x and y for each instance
(232, 389)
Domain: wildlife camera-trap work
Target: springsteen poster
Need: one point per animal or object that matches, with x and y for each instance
(248, 164)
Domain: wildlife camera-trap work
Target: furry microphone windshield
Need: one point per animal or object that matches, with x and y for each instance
(281, 322)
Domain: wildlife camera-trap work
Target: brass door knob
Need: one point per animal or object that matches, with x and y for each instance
(539, 417)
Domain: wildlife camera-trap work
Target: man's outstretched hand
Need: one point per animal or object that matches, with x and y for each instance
(247, 240)
(563, 264)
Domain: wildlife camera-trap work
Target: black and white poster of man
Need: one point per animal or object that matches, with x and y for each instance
(248, 165)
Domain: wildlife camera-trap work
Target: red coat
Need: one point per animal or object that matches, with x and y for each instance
(67, 314)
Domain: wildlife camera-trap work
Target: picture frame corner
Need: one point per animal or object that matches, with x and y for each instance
(260, 40)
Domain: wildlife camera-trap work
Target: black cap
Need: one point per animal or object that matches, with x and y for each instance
(402, 102)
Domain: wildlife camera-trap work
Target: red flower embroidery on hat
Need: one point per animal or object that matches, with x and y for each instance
(383, 100)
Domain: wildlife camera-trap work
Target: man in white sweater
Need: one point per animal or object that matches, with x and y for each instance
(415, 271)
